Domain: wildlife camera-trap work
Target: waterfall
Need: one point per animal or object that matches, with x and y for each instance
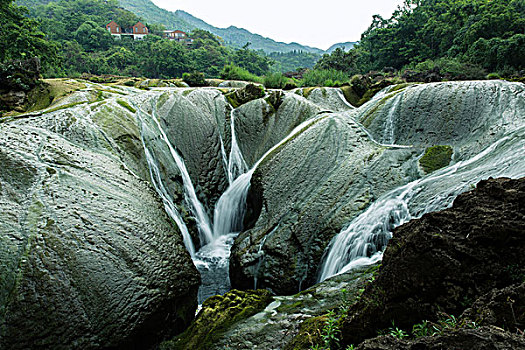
(236, 163)
(362, 242)
(196, 207)
(168, 202)
(388, 133)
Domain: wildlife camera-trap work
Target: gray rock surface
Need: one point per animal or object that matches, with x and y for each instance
(89, 257)
(309, 188)
(302, 194)
(467, 115)
(263, 123)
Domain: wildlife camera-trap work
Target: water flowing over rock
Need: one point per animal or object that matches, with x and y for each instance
(89, 257)
(307, 190)
(106, 196)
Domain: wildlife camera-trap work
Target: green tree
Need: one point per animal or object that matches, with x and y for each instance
(20, 38)
(93, 37)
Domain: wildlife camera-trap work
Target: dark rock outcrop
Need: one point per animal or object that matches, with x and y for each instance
(485, 338)
(504, 308)
(445, 260)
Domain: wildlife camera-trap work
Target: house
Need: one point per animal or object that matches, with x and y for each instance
(137, 32)
(178, 35)
(114, 29)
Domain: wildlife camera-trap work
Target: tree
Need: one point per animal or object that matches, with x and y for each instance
(20, 38)
(92, 37)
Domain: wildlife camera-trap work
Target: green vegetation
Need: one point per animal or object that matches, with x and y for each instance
(293, 60)
(126, 105)
(278, 81)
(217, 315)
(194, 79)
(436, 157)
(458, 39)
(233, 72)
(324, 77)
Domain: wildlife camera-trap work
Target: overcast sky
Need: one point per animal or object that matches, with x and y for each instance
(315, 23)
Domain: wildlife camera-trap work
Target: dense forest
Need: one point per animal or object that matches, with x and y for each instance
(486, 35)
(424, 40)
(75, 31)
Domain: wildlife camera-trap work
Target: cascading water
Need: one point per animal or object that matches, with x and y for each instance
(388, 135)
(196, 207)
(236, 163)
(212, 260)
(363, 241)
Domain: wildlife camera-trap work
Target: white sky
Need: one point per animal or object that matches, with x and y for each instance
(315, 23)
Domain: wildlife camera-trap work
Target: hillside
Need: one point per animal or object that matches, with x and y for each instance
(233, 36)
(346, 46)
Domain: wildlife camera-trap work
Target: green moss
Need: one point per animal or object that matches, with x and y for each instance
(126, 105)
(217, 315)
(350, 95)
(436, 157)
(309, 335)
(248, 93)
(69, 105)
(307, 91)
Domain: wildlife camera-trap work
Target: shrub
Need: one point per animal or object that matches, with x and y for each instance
(491, 76)
(275, 81)
(324, 77)
(21, 75)
(233, 72)
(194, 79)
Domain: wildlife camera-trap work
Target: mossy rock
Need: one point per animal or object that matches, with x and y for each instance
(350, 95)
(309, 335)
(217, 315)
(248, 93)
(436, 157)
(49, 92)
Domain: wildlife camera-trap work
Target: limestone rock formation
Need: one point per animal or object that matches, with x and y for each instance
(302, 194)
(89, 257)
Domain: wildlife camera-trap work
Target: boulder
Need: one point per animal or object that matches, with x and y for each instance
(482, 338)
(90, 258)
(302, 193)
(446, 260)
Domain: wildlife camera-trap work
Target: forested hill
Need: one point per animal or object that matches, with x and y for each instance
(487, 33)
(236, 37)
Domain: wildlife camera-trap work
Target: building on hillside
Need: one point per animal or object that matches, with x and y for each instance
(137, 32)
(114, 29)
(178, 35)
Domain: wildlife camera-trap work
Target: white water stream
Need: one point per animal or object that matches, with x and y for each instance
(362, 242)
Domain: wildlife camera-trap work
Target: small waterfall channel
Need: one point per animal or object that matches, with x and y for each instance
(217, 236)
(362, 242)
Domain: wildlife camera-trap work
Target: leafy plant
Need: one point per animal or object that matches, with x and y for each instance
(397, 332)
(194, 79)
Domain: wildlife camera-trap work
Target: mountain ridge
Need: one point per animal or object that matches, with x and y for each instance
(232, 35)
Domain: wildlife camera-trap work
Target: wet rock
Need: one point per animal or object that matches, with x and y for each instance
(302, 194)
(263, 123)
(468, 116)
(445, 260)
(89, 257)
(217, 315)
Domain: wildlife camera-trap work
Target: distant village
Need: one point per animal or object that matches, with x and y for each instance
(139, 31)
